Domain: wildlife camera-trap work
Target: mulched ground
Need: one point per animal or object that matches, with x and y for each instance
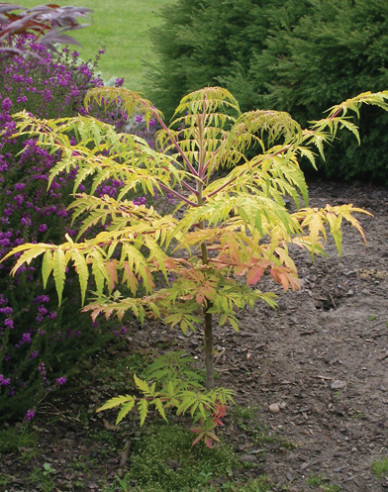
(317, 370)
(323, 357)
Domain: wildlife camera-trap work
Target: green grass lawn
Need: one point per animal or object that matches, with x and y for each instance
(123, 27)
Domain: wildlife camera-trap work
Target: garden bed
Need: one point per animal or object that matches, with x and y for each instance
(310, 378)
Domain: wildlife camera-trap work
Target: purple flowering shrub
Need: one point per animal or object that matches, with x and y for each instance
(48, 85)
(39, 342)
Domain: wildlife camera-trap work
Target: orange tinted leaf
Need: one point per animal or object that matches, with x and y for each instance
(254, 275)
(208, 442)
(170, 263)
(295, 283)
(196, 430)
(213, 436)
(95, 311)
(197, 439)
(130, 278)
(111, 269)
(283, 278)
(187, 297)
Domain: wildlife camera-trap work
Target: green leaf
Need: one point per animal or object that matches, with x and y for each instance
(159, 406)
(125, 409)
(98, 272)
(59, 268)
(142, 386)
(143, 410)
(82, 272)
(47, 267)
(115, 402)
(30, 251)
(234, 323)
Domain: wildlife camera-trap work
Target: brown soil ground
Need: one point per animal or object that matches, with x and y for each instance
(322, 358)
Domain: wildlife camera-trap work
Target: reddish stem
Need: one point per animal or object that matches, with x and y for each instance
(177, 194)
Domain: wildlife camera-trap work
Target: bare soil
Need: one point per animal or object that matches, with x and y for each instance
(323, 356)
(316, 369)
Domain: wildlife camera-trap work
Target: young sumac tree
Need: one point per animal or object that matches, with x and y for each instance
(204, 261)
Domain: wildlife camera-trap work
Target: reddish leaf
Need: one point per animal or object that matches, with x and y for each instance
(254, 275)
(111, 269)
(197, 439)
(208, 442)
(196, 430)
(285, 277)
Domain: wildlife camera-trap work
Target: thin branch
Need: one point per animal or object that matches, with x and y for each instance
(178, 195)
(201, 124)
(287, 147)
(190, 188)
(175, 143)
(221, 187)
(205, 167)
(332, 117)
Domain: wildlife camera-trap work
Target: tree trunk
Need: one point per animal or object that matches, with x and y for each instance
(208, 329)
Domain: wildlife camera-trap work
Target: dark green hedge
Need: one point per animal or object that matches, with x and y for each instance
(301, 56)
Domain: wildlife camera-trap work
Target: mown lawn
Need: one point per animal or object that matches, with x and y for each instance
(123, 27)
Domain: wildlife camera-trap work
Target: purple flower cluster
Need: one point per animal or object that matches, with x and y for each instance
(22, 345)
(110, 188)
(141, 200)
(30, 414)
(148, 198)
(61, 381)
(33, 331)
(48, 85)
(4, 381)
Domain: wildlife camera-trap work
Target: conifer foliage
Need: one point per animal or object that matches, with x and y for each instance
(300, 56)
(203, 262)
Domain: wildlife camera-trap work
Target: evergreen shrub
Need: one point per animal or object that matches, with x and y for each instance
(299, 56)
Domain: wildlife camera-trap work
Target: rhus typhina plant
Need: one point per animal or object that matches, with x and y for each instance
(230, 173)
(172, 382)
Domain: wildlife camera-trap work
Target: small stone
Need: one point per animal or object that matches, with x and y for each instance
(248, 458)
(289, 476)
(337, 384)
(274, 408)
(256, 451)
(283, 405)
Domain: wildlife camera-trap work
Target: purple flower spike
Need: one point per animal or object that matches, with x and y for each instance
(30, 414)
(4, 381)
(26, 338)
